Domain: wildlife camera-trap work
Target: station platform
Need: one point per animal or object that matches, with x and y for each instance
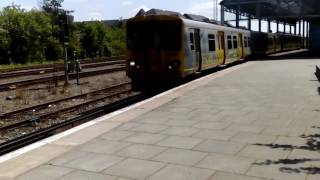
(254, 121)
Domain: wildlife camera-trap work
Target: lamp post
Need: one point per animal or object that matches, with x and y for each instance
(215, 10)
(66, 63)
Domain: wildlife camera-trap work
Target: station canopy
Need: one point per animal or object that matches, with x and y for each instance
(283, 10)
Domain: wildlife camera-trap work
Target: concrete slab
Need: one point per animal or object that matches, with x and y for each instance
(149, 128)
(276, 172)
(181, 123)
(116, 135)
(252, 138)
(134, 168)
(226, 163)
(212, 125)
(180, 157)
(215, 134)
(280, 131)
(30, 160)
(141, 151)
(232, 176)
(145, 138)
(180, 131)
(93, 162)
(83, 175)
(45, 172)
(264, 152)
(103, 146)
(223, 147)
(174, 172)
(87, 134)
(180, 142)
(246, 128)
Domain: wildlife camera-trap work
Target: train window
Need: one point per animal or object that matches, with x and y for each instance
(245, 41)
(249, 41)
(229, 42)
(164, 35)
(235, 42)
(191, 41)
(212, 42)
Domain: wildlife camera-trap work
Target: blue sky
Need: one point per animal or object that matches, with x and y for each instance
(114, 9)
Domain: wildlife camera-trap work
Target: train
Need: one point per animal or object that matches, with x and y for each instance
(166, 47)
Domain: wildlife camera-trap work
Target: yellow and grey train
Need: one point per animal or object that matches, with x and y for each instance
(166, 47)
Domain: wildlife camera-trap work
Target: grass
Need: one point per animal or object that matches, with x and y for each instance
(11, 67)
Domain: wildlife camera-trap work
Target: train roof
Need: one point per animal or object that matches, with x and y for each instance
(193, 23)
(190, 19)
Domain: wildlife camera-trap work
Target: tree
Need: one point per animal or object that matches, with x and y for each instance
(51, 6)
(4, 42)
(89, 39)
(26, 34)
(39, 31)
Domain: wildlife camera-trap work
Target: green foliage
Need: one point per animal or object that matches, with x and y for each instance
(94, 39)
(31, 36)
(26, 33)
(51, 5)
(117, 40)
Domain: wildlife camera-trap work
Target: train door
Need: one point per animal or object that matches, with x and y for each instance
(198, 48)
(195, 46)
(221, 48)
(240, 50)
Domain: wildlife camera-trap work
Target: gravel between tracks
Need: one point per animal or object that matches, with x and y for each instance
(38, 94)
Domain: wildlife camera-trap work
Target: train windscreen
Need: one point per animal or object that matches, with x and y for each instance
(164, 35)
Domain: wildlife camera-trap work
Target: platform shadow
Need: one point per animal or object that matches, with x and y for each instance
(307, 54)
(312, 143)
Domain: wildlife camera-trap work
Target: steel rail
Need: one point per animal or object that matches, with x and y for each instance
(44, 105)
(83, 61)
(51, 69)
(52, 130)
(25, 83)
(42, 117)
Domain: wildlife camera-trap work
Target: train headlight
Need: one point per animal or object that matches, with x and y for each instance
(174, 65)
(132, 63)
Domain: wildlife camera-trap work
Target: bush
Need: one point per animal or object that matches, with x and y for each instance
(32, 36)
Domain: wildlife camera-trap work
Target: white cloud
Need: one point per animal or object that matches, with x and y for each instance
(78, 1)
(127, 3)
(95, 16)
(136, 10)
(207, 9)
(29, 7)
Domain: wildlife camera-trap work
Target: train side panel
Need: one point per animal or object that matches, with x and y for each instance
(216, 49)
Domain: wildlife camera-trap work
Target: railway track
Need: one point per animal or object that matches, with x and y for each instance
(83, 117)
(83, 62)
(52, 114)
(54, 103)
(29, 82)
(58, 68)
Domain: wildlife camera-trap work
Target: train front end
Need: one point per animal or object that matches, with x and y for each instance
(154, 51)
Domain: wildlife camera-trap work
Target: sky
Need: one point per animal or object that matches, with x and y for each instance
(86, 10)
(115, 9)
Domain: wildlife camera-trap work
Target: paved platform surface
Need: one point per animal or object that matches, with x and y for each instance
(255, 121)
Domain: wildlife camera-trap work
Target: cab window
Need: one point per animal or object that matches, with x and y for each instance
(229, 42)
(245, 41)
(191, 41)
(235, 42)
(211, 42)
